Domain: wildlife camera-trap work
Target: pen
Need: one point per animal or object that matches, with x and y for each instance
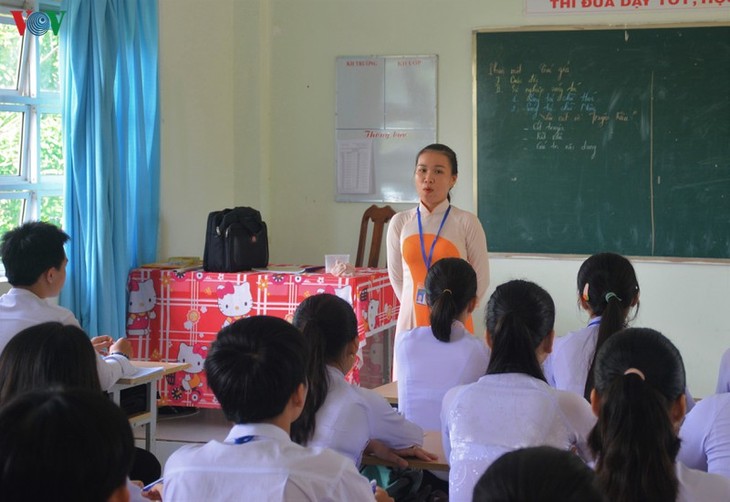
(149, 486)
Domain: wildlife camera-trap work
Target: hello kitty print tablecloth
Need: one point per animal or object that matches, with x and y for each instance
(175, 316)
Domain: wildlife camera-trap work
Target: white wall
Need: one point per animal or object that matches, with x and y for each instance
(248, 119)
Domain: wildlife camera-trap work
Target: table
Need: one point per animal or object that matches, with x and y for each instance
(150, 373)
(175, 316)
(389, 391)
(431, 442)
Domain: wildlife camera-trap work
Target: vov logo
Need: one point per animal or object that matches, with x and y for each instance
(38, 22)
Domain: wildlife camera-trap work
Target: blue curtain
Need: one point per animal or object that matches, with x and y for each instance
(110, 109)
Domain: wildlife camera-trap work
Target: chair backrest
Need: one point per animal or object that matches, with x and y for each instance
(379, 216)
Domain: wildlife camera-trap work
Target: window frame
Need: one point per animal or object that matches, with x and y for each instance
(28, 99)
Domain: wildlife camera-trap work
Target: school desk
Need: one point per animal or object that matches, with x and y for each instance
(175, 316)
(149, 373)
(389, 391)
(431, 443)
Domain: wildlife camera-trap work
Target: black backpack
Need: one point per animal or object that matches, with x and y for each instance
(235, 240)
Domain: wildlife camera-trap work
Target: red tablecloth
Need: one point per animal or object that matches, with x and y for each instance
(175, 316)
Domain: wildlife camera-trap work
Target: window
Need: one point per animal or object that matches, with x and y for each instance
(31, 149)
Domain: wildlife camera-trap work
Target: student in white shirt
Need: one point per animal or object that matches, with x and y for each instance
(349, 419)
(257, 371)
(609, 291)
(512, 406)
(35, 265)
(64, 445)
(640, 403)
(538, 474)
(55, 355)
(723, 377)
(433, 359)
(705, 436)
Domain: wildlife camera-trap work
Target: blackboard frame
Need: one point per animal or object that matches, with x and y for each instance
(481, 174)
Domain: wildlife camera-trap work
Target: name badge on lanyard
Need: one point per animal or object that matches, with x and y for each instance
(427, 258)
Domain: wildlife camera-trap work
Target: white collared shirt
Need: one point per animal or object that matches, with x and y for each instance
(20, 309)
(428, 368)
(269, 468)
(504, 412)
(351, 416)
(697, 486)
(705, 436)
(566, 368)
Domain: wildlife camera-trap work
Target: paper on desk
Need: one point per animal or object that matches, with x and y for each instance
(144, 370)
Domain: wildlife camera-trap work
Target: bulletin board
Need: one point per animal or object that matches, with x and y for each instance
(386, 111)
(605, 140)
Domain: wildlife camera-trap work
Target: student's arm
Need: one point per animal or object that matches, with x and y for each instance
(395, 258)
(580, 418)
(389, 426)
(694, 435)
(114, 366)
(446, 405)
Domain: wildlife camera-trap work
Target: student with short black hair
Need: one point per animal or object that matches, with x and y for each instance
(64, 445)
(538, 474)
(512, 406)
(35, 265)
(640, 403)
(257, 369)
(349, 419)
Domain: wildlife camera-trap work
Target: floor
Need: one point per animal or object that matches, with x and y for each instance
(174, 432)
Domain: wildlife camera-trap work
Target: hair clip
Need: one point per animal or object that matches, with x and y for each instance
(610, 295)
(635, 371)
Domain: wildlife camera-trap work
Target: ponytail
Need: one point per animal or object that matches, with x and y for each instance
(451, 284)
(635, 443)
(520, 315)
(302, 429)
(328, 323)
(639, 376)
(443, 313)
(608, 284)
(512, 348)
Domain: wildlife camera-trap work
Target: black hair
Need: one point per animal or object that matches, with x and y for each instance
(328, 324)
(32, 360)
(537, 474)
(634, 439)
(67, 445)
(607, 273)
(451, 283)
(445, 150)
(520, 314)
(448, 152)
(31, 249)
(254, 367)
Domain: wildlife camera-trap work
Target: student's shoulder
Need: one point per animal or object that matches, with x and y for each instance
(699, 485)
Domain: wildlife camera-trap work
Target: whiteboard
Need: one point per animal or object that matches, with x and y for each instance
(386, 111)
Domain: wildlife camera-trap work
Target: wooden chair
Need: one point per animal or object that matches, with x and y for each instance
(379, 216)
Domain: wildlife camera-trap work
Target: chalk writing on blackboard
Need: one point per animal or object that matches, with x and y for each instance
(555, 107)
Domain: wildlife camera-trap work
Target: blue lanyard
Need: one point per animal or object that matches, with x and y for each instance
(427, 259)
(244, 439)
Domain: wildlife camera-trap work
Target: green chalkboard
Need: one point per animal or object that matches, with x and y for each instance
(605, 140)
